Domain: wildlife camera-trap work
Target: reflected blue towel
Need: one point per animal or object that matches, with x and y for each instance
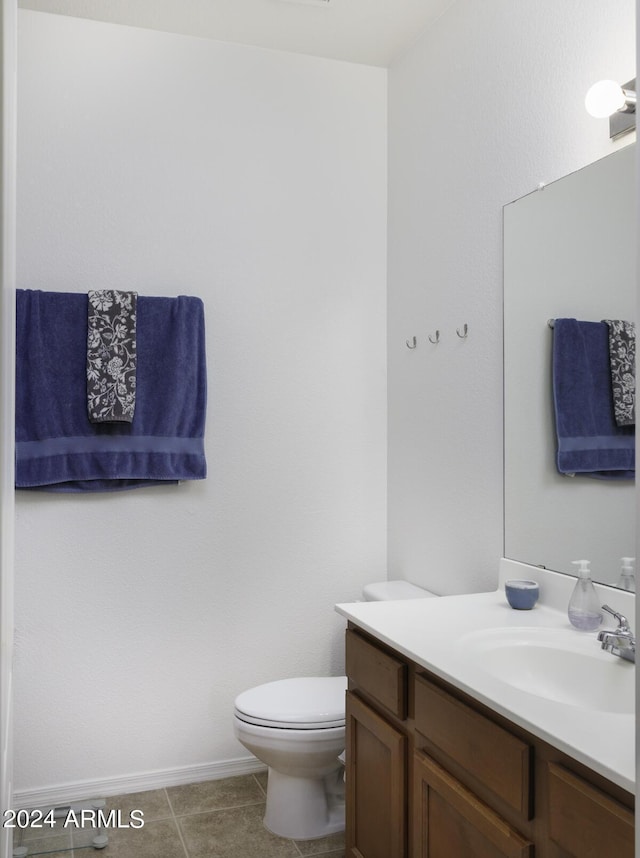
(57, 446)
(589, 441)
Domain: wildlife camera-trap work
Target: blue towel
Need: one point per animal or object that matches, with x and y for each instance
(57, 446)
(589, 441)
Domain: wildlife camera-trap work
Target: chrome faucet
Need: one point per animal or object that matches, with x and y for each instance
(620, 641)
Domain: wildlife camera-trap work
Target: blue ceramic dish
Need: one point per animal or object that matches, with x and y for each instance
(521, 594)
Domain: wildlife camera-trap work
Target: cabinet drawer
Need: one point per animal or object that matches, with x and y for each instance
(584, 821)
(378, 674)
(489, 753)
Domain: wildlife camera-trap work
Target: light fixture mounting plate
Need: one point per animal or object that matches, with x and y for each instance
(324, 3)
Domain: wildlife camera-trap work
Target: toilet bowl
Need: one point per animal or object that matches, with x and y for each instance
(297, 728)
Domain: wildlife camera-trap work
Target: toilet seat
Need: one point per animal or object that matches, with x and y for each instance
(303, 703)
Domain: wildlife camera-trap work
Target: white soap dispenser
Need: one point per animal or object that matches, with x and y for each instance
(584, 606)
(627, 577)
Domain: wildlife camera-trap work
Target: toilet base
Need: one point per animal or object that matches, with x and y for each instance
(304, 808)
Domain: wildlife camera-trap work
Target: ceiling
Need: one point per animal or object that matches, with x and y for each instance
(372, 32)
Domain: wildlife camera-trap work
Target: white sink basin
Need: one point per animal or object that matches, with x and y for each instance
(558, 664)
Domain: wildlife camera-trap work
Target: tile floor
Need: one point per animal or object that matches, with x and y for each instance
(214, 819)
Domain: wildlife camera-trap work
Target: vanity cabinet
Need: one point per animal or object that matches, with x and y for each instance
(432, 773)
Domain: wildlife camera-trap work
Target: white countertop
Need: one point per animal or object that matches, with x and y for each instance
(438, 635)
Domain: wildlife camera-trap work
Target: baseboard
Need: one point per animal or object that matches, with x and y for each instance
(62, 794)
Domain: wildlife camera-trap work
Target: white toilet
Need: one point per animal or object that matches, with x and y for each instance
(297, 727)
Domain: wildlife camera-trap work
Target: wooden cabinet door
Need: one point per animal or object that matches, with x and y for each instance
(449, 821)
(376, 785)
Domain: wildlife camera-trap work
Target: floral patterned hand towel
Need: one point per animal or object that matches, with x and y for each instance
(111, 356)
(622, 356)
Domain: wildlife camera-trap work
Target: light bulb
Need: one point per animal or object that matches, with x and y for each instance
(604, 98)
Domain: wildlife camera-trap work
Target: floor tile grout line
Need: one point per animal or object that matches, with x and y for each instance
(218, 809)
(260, 787)
(177, 825)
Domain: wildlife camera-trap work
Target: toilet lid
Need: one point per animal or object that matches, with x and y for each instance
(307, 703)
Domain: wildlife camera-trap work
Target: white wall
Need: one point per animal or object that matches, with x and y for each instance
(257, 180)
(485, 106)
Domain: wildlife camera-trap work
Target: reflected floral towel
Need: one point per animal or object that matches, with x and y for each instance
(111, 356)
(622, 356)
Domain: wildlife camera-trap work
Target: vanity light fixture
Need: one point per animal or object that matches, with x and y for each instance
(608, 98)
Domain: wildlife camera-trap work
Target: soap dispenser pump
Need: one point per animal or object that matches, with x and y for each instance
(627, 578)
(584, 606)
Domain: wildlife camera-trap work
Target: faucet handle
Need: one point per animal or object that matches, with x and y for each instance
(623, 623)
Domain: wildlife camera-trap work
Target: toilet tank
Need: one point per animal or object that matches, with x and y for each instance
(384, 591)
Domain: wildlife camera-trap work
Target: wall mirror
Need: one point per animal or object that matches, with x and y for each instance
(569, 251)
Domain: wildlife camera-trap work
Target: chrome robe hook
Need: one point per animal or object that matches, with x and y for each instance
(437, 339)
(465, 330)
